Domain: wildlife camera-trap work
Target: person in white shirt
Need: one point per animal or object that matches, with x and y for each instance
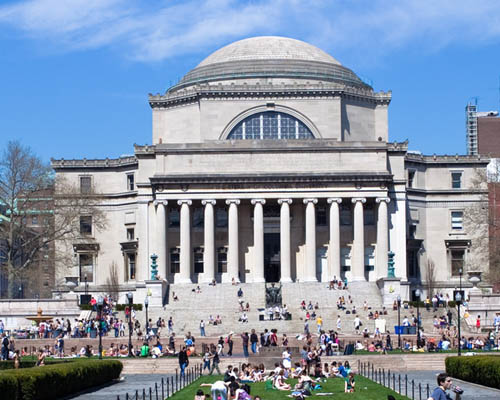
(357, 324)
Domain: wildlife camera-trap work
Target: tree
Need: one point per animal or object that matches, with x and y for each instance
(430, 277)
(34, 214)
(113, 281)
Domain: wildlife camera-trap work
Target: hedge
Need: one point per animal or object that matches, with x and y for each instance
(484, 370)
(29, 363)
(421, 304)
(59, 379)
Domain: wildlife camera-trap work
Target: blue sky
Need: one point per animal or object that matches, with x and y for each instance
(75, 74)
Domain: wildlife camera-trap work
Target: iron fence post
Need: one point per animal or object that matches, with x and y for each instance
(162, 390)
(427, 390)
(136, 394)
(156, 391)
(406, 385)
(399, 379)
(413, 389)
(419, 391)
(150, 394)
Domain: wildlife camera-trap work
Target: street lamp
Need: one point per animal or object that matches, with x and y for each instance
(458, 299)
(130, 297)
(20, 292)
(417, 295)
(146, 303)
(399, 321)
(100, 303)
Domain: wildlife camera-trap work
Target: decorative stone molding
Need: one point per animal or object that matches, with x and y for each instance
(380, 199)
(208, 201)
(156, 203)
(288, 201)
(255, 201)
(356, 199)
(184, 201)
(314, 201)
(127, 161)
(233, 201)
(331, 200)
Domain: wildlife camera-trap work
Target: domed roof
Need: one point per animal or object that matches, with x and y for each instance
(269, 57)
(268, 48)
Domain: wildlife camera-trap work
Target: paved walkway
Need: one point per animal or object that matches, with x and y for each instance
(471, 391)
(129, 385)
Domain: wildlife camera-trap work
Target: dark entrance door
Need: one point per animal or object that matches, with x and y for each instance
(272, 270)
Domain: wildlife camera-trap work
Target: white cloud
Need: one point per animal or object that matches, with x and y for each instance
(152, 31)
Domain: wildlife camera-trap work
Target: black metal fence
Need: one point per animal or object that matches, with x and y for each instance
(167, 386)
(397, 382)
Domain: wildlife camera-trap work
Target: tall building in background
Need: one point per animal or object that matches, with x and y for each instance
(482, 129)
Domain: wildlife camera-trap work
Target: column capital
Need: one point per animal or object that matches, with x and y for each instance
(233, 201)
(361, 199)
(314, 201)
(184, 201)
(281, 201)
(332, 200)
(158, 202)
(208, 201)
(260, 201)
(381, 199)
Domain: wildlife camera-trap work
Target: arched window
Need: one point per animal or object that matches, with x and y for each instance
(270, 125)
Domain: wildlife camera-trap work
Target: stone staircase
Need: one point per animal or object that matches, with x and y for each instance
(222, 300)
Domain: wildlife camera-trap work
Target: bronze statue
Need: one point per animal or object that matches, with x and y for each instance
(273, 295)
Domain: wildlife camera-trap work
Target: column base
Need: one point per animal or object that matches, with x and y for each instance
(357, 279)
(309, 279)
(183, 280)
(259, 280)
(286, 280)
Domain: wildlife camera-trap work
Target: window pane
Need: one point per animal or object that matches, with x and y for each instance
(86, 225)
(456, 180)
(198, 217)
(321, 216)
(131, 265)
(173, 218)
(345, 216)
(457, 261)
(130, 182)
(198, 263)
(288, 127)
(221, 218)
(85, 184)
(457, 220)
(174, 262)
(221, 261)
(86, 267)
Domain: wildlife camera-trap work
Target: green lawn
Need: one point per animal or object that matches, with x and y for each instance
(365, 389)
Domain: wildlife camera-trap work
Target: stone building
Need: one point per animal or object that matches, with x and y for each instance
(270, 161)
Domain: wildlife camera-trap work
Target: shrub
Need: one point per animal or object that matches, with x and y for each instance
(9, 387)
(484, 370)
(62, 379)
(119, 307)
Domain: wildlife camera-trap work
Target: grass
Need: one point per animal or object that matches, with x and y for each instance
(365, 389)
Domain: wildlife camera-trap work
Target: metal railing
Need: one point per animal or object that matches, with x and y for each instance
(400, 384)
(166, 387)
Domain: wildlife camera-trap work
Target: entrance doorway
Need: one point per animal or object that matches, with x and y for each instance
(272, 269)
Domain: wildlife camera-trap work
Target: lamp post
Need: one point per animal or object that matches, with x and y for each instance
(417, 295)
(458, 299)
(146, 303)
(399, 321)
(20, 292)
(130, 297)
(460, 272)
(100, 303)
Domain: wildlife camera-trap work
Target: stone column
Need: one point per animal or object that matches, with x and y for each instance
(161, 238)
(382, 237)
(258, 239)
(209, 240)
(310, 267)
(334, 245)
(185, 256)
(286, 266)
(358, 246)
(233, 247)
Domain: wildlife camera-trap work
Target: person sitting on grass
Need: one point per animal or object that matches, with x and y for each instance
(349, 383)
(279, 382)
(145, 350)
(200, 395)
(218, 389)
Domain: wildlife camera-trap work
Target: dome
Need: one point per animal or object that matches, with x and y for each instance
(269, 57)
(268, 48)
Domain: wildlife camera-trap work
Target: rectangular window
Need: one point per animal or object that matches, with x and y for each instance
(198, 217)
(130, 234)
(321, 216)
(131, 266)
(222, 260)
(345, 215)
(198, 261)
(456, 180)
(457, 219)
(86, 225)
(85, 184)
(175, 265)
(411, 178)
(345, 258)
(174, 220)
(86, 263)
(130, 182)
(369, 258)
(221, 218)
(457, 261)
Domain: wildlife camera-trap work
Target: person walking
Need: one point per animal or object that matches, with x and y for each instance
(244, 342)
(202, 328)
(254, 340)
(183, 360)
(5, 347)
(215, 360)
(230, 345)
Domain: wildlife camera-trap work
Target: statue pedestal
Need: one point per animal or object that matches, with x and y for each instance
(389, 288)
(156, 291)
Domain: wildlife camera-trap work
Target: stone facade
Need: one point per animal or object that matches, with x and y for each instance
(333, 203)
